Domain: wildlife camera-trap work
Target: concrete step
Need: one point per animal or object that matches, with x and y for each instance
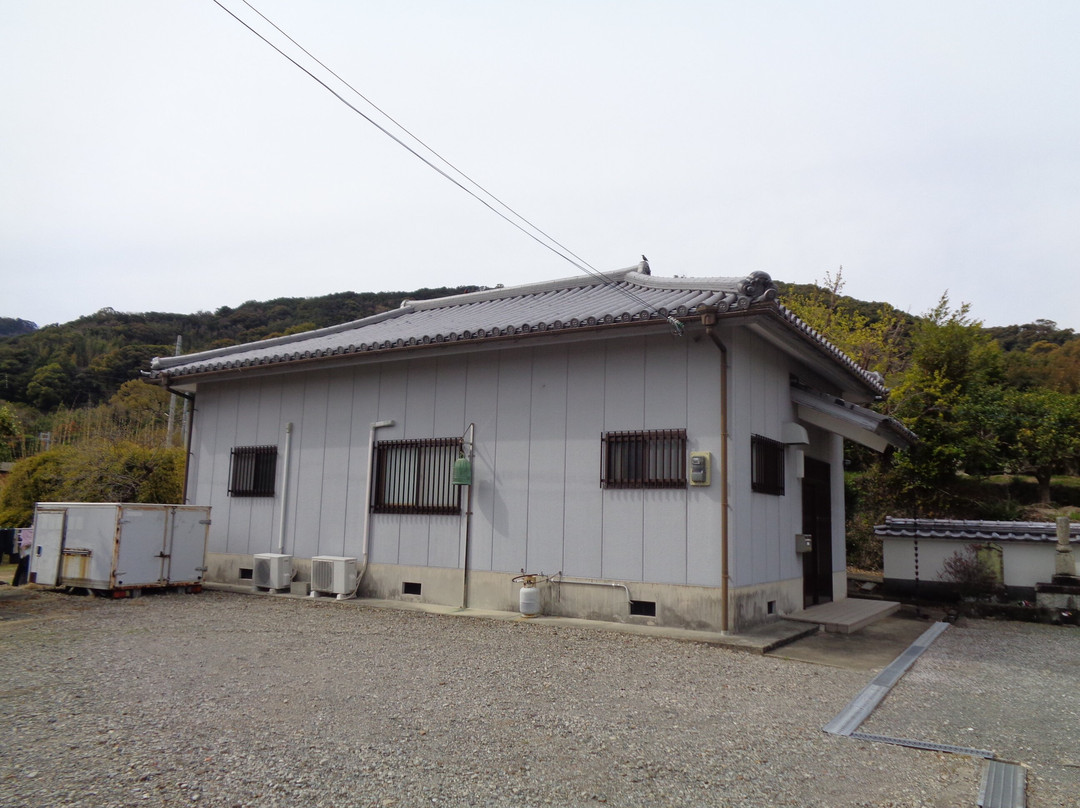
(845, 615)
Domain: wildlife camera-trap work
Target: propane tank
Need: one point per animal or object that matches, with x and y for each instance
(529, 596)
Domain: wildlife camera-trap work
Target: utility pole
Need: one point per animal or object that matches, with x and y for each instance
(172, 402)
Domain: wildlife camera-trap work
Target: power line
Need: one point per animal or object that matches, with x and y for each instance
(529, 229)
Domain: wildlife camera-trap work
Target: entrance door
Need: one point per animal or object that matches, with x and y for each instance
(817, 521)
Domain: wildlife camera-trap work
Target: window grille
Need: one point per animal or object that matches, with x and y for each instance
(645, 459)
(252, 471)
(414, 476)
(766, 465)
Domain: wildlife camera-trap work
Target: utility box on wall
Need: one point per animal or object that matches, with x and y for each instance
(700, 468)
(804, 542)
(113, 547)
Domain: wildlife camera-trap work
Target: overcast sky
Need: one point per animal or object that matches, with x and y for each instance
(156, 156)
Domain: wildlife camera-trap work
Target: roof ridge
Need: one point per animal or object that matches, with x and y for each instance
(501, 292)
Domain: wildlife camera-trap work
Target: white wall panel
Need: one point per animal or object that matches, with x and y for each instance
(547, 461)
(364, 412)
(624, 409)
(481, 408)
(302, 514)
(262, 400)
(292, 411)
(511, 488)
(666, 407)
(393, 385)
(583, 514)
(664, 546)
(335, 470)
(703, 427)
(419, 421)
(206, 444)
(237, 510)
(446, 537)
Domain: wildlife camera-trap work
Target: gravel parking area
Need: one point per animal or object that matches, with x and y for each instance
(1012, 688)
(222, 699)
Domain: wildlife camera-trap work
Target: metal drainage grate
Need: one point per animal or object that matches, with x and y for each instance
(933, 747)
(1003, 786)
(860, 707)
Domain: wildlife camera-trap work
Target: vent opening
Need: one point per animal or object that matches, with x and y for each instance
(410, 588)
(645, 608)
(772, 607)
(246, 573)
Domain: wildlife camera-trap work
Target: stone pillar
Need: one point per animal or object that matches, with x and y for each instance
(1064, 563)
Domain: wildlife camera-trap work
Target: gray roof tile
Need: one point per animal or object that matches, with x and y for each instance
(587, 301)
(972, 530)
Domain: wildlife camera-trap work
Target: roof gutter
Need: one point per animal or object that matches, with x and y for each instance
(708, 319)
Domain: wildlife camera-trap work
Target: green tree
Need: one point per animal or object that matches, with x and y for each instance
(40, 478)
(48, 386)
(1045, 439)
(876, 341)
(11, 430)
(952, 361)
(142, 402)
(107, 472)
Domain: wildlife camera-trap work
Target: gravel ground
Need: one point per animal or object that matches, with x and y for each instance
(221, 699)
(1012, 688)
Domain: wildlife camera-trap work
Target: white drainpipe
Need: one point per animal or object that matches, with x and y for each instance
(285, 488)
(367, 498)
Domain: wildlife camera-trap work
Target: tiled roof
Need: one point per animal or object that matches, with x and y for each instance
(972, 530)
(627, 296)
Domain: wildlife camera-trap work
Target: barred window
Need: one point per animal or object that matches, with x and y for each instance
(414, 476)
(252, 471)
(766, 465)
(645, 459)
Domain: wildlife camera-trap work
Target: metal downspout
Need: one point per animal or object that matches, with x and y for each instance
(708, 319)
(285, 487)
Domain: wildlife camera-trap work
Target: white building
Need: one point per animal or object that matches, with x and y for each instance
(582, 405)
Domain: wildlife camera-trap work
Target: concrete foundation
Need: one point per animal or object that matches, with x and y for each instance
(697, 608)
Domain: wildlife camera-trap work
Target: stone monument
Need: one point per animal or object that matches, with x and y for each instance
(1063, 591)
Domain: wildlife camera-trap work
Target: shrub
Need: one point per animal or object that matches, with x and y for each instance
(972, 576)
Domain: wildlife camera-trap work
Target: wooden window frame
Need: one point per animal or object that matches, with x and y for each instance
(651, 458)
(252, 471)
(767, 470)
(414, 476)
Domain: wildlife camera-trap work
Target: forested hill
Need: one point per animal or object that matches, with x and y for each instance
(10, 327)
(85, 361)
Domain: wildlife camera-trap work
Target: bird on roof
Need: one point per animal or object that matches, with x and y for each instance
(643, 267)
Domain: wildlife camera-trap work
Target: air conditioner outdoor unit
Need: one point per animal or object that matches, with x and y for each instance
(272, 571)
(333, 574)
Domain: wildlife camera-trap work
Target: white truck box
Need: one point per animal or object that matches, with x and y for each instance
(119, 546)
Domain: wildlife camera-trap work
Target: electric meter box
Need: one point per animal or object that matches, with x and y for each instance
(804, 542)
(108, 546)
(700, 468)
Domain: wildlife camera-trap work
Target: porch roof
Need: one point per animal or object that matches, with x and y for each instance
(855, 423)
